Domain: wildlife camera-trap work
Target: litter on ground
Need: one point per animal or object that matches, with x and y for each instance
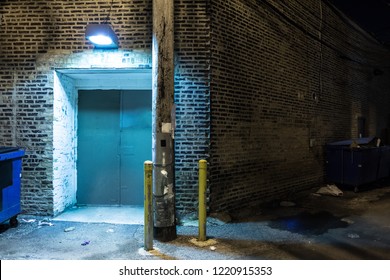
(332, 190)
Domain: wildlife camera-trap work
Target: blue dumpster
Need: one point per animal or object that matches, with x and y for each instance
(357, 162)
(10, 173)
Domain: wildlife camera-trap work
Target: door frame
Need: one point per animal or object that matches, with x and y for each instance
(70, 81)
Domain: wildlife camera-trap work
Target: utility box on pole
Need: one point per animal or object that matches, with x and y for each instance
(163, 192)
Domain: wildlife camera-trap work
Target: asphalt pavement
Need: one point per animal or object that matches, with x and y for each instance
(307, 226)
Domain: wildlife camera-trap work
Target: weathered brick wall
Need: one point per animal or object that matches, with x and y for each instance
(284, 83)
(64, 143)
(37, 37)
(274, 89)
(192, 97)
(41, 36)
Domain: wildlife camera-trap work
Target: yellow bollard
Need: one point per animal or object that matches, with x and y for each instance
(202, 199)
(148, 205)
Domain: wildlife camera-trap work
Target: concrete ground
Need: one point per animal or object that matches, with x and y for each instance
(352, 226)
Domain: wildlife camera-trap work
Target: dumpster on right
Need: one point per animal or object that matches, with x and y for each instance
(357, 162)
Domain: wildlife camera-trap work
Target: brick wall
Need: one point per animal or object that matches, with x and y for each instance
(41, 36)
(254, 86)
(64, 143)
(279, 93)
(38, 37)
(192, 97)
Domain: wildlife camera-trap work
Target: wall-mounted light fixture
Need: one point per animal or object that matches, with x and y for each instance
(102, 36)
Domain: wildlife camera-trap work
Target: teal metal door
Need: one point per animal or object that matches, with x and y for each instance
(136, 143)
(114, 139)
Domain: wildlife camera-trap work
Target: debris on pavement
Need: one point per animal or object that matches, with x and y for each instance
(69, 229)
(29, 220)
(353, 235)
(214, 219)
(42, 223)
(110, 230)
(332, 190)
(348, 221)
(85, 243)
(213, 248)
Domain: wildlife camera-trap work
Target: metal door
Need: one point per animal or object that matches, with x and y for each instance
(97, 150)
(114, 138)
(136, 143)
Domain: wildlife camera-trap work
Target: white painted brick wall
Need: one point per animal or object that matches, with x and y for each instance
(64, 143)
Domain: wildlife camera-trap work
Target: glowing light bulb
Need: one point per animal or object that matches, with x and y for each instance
(101, 40)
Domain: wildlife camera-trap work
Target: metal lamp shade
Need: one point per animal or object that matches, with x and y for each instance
(101, 36)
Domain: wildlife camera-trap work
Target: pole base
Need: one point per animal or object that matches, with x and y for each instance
(165, 234)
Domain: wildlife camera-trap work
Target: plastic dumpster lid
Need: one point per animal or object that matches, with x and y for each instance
(4, 149)
(359, 141)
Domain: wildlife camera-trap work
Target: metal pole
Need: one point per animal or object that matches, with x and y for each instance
(202, 199)
(148, 202)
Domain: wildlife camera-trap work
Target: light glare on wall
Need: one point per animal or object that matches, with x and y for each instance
(101, 35)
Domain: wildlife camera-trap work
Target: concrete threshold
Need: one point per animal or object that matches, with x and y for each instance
(132, 215)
